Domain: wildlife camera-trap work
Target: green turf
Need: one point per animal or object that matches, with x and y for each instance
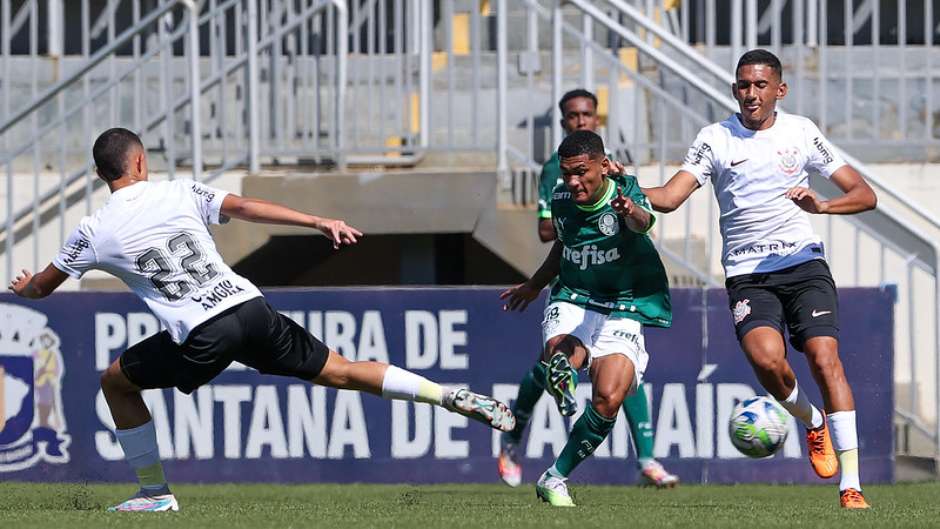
(33, 506)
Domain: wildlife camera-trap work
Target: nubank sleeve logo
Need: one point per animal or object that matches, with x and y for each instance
(32, 423)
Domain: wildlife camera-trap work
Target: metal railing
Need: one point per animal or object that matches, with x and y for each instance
(215, 107)
(40, 128)
(863, 70)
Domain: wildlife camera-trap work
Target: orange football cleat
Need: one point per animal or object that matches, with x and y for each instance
(853, 499)
(821, 454)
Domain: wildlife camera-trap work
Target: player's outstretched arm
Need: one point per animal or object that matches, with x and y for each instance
(673, 194)
(857, 195)
(263, 211)
(519, 296)
(37, 286)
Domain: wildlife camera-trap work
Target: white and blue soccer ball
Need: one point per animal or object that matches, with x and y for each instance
(758, 426)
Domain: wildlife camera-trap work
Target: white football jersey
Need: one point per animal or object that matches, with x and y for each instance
(762, 230)
(155, 237)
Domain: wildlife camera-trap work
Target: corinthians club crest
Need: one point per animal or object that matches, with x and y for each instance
(32, 425)
(789, 160)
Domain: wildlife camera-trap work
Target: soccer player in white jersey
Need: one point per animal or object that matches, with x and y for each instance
(759, 161)
(155, 237)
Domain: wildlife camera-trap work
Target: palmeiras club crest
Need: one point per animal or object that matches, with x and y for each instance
(608, 224)
(32, 423)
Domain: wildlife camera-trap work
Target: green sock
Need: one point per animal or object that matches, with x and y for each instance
(530, 389)
(637, 410)
(588, 433)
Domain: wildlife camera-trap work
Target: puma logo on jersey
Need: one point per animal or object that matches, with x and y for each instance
(590, 255)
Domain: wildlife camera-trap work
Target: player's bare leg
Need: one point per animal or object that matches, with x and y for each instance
(611, 378)
(135, 432)
(393, 382)
(822, 352)
(766, 351)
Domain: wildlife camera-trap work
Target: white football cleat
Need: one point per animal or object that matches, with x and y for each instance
(162, 503)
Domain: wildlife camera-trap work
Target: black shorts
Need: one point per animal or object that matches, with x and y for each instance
(801, 299)
(251, 333)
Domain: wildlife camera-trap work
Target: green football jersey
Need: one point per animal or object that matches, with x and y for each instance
(606, 267)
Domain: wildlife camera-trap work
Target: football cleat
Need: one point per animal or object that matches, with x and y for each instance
(553, 490)
(561, 382)
(510, 471)
(821, 454)
(853, 499)
(654, 475)
(480, 408)
(162, 503)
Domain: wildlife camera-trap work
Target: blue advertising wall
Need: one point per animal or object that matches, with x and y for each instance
(243, 426)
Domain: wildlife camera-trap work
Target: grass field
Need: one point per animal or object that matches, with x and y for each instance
(33, 506)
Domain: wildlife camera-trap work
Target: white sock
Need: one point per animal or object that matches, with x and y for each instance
(553, 471)
(140, 451)
(399, 384)
(845, 443)
(800, 407)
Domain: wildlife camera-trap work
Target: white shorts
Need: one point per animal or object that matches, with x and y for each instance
(601, 334)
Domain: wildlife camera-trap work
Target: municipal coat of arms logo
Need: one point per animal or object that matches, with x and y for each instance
(789, 161)
(32, 424)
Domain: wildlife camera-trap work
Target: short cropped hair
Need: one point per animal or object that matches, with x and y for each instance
(577, 92)
(762, 57)
(581, 142)
(110, 152)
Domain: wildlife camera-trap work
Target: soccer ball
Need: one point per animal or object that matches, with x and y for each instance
(758, 426)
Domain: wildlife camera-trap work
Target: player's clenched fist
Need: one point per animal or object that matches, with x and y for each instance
(624, 206)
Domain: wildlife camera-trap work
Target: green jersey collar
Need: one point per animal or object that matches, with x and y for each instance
(608, 194)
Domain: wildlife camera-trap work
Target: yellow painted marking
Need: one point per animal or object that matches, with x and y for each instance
(603, 107)
(393, 141)
(630, 59)
(415, 113)
(460, 33)
(438, 61)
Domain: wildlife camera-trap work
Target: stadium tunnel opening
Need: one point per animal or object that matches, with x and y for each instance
(407, 259)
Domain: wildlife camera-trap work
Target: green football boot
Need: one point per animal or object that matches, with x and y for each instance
(560, 382)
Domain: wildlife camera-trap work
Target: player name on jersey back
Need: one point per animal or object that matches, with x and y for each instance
(155, 237)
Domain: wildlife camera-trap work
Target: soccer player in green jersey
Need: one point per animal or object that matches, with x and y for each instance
(610, 284)
(579, 112)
